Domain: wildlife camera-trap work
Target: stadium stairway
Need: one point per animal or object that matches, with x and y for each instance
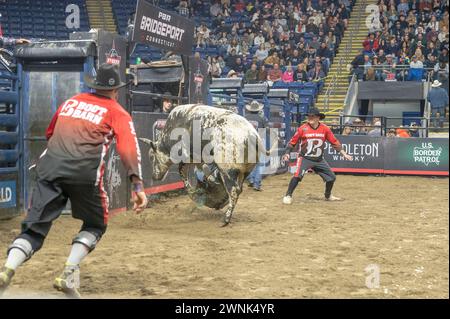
(331, 99)
(101, 15)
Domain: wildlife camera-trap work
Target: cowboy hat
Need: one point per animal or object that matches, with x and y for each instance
(107, 79)
(436, 84)
(315, 112)
(254, 106)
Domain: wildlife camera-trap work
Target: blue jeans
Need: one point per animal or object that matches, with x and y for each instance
(435, 119)
(255, 176)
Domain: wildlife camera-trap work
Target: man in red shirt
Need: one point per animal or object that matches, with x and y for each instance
(72, 167)
(312, 137)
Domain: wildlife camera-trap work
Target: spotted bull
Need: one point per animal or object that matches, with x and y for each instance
(202, 134)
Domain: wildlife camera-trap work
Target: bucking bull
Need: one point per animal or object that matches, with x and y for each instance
(222, 146)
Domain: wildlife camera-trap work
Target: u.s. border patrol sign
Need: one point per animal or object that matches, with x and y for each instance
(163, 29)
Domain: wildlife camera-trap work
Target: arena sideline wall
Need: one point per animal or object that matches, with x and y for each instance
(396, 156)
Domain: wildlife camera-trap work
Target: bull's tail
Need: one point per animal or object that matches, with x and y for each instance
(262, 147)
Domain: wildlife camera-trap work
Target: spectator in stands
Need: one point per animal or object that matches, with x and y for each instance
(183, 8)
(388, 69)
(251, 76)
(325, 54)
(262, 74)
(415, 69)
(232, 74)
(262, 53)
(239, 67)
(234, 46)
(316, 74)
(348, 130)
(335, 126)
(295, 58)
(359, 127)
(371, 74)
(376, 131)
(441, 73)
(215, 68)
(259, 39)
(215, 9)
(231, 59)
(358, 66)
(367, 65)
(414, 130)
(391, 133)
(443, 57)
(288, 75)
(275, 74)
(273, 59)
(300, 74)
(438, 99)
(402, 132)
(381, 56)
(370, 44)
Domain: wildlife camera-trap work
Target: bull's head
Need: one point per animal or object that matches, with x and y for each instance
(161, 161)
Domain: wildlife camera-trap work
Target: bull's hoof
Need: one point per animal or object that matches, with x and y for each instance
(226, 222)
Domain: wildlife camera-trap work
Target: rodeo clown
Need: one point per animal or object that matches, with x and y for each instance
(72, 168)
(312, 137)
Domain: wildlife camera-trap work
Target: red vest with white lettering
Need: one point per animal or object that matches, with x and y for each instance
(79, 136)
(312, 141)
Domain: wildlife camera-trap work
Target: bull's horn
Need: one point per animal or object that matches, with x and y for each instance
(146, 141)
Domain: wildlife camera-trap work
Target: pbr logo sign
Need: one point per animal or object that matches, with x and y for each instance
(163, 29)
(427, 154)
(113, 56)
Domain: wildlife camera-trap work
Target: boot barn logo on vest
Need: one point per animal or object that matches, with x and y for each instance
(82, 110)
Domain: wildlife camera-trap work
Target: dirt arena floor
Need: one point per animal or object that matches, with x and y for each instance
(312, 249)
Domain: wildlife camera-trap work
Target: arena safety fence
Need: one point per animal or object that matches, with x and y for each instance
(417, 126)
(10, 146)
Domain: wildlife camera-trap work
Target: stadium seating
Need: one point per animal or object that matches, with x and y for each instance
(40, 19)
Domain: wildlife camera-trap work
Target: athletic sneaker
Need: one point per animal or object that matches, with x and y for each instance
(5, 279)
(287, 200)
(69, 282)
(333, 199)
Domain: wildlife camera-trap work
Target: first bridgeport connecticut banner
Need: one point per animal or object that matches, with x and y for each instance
(163, 29)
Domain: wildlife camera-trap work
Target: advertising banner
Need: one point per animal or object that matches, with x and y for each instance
(9, 196)
(368, 154)
(384, 155)
(163, 29)
(423, 156)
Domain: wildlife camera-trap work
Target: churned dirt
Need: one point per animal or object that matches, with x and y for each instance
(312, 249)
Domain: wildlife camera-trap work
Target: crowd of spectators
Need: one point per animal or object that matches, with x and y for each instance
(373, 128)
(409, 42)
(278, 40)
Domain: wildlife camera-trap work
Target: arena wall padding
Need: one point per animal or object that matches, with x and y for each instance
(149, 125)
(391, 155)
